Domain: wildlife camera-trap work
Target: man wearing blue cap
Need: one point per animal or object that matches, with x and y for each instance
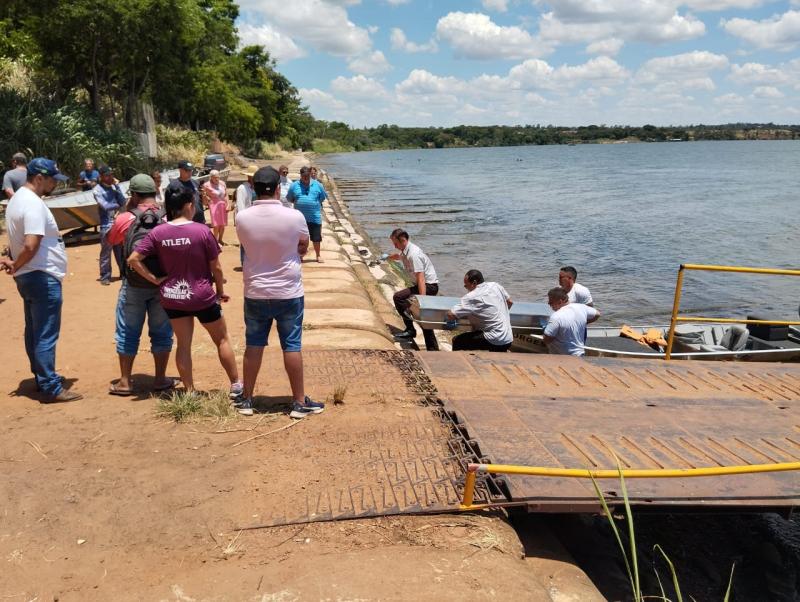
(38, 264)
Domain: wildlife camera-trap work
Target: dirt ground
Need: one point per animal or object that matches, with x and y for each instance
(101, 499)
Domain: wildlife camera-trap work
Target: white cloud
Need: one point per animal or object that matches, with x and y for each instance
(729, 99)
(689, 70)
(281, 47)
(358, 87)
(780, 32)
(397, 2)
(767, 92)
(401, 42)
(607, 47)
(709, 5)
(476, 36)
(576, 21)
(321, 23)
(369, 64)
(420, 81)
(756, 73)
(318, 100)
(499, 6)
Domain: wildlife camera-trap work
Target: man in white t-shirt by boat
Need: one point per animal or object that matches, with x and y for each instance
(565, 333)
(486, 306)
(38, 263)
(577, 292)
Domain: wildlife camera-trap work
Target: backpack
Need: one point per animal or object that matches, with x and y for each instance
(143, 222)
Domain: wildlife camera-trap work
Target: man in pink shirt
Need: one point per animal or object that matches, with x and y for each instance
(276, 237)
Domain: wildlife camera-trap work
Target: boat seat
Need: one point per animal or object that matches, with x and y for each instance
(735, 338)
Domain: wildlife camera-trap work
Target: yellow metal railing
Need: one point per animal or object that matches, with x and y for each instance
(718, 268)
(628, 473)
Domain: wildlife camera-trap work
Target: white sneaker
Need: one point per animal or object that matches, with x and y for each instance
(236, 390)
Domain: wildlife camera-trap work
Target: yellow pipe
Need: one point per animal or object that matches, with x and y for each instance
(676, 303)
(628, 473)
(634, 473)
(469, 488)
(735, 321)
(729, 268)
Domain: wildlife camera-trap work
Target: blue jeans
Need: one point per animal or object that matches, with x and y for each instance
(134, 304)
(41, 298)
(105, 253)
(258, 317)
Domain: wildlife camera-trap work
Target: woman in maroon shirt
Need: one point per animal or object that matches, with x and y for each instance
(189, 254)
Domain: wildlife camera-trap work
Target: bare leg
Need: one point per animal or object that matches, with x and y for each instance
(161, 360)
(317, 246)
(252, 364)
(219, 334)
(293, 363)
(184, 329)
(221, 230)
(125, 369)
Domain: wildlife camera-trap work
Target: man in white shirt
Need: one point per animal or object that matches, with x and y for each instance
(420, 269)
(245, 195)
(577, 292)
(286, 182)
(565, 333)
(277, 237)
(486, 305)
(38, 264)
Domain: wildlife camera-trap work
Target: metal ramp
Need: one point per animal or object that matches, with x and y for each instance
(540, 410)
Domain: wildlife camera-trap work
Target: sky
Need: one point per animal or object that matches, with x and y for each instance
(547, 62)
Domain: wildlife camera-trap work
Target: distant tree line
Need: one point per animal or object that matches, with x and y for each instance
(338, 136)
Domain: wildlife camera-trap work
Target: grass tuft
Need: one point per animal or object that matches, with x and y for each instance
(339, 393)
(184, 406)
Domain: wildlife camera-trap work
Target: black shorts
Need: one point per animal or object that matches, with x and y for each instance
(314, 232)
(207, 315)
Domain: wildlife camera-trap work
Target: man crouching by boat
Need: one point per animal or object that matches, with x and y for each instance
(486, 305)
(565, 333)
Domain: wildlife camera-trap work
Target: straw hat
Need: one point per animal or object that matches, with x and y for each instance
(250, 170)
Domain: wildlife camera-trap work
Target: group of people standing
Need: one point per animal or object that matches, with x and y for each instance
(486, 306)
(171, 277)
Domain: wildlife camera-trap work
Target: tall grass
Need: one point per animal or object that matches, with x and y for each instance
(184, 406)
(630, 555)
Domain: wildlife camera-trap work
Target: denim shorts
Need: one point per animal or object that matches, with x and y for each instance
(258, 317)
(134, 305)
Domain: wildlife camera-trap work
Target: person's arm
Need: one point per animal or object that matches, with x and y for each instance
(101, 200)
(219, 279)
(116, 236)
(30, 246)
(420, 278)
(302, 246)
(135, 261)
(290, 196)
(8, 190)
(593, 318)
(550, 332)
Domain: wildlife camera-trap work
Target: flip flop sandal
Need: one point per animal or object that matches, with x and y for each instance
(114, 389)
(167, 386)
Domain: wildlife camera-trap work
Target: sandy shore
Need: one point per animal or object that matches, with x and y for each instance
(102, 499)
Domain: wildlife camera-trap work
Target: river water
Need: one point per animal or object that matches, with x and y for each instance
(625, 215)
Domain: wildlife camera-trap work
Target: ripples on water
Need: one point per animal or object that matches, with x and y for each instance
(624, 215)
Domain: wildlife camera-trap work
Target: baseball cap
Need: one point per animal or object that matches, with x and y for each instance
(45, 167)
(185, 164)
(268, 177)
(142, 183)
(104, 170)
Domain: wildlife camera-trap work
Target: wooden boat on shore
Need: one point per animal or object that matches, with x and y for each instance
(692, 341)
(78, 211)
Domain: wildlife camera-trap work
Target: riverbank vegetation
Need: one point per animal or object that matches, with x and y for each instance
(74, 76)
(339, 137)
